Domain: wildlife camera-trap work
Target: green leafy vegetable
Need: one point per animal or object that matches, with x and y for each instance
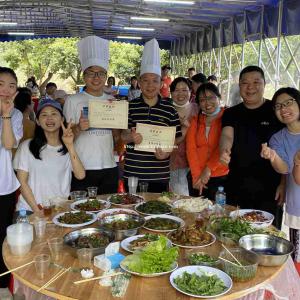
(236, 227)
(204, 285)
(198, 258)
(154, 207)
(156, 257)
(168, 194)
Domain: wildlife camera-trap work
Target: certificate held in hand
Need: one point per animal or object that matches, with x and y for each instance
(155, 137)
(108, 114)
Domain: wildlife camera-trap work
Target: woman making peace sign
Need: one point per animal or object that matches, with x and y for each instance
(46, 162)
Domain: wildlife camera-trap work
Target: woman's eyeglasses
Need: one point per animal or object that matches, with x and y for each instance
(287, 103)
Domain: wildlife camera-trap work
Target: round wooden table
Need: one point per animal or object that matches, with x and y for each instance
(157, 288)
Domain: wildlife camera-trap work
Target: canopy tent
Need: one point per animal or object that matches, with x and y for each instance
(191, 28)
(277, 18)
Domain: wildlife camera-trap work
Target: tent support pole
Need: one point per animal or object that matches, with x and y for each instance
(277, 75)
(244, 40)
(261, 35)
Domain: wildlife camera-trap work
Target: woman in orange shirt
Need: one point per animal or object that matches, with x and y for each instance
(202, 144)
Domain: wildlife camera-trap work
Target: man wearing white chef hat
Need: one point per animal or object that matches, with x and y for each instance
(149, 108)
(94, 146)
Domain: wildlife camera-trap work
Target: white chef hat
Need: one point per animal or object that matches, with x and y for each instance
(93, 51)
(151, 58)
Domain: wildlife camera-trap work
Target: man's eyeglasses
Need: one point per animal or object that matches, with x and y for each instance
(287, 103)
(91, 74)
(208, 99)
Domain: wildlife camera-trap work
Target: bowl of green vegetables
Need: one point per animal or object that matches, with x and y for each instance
(202, 259)
(229, 230)
(153, 207)
(243, 267)
(201, 281)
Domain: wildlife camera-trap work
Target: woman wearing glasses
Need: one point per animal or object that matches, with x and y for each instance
(284, 155)
(181, 93)
(203, 143)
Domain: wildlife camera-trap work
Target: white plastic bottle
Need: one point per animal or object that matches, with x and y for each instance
(220, 199)
(22, 218)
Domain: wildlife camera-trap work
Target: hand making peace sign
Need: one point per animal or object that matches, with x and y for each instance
(7, 105)
(68, 135)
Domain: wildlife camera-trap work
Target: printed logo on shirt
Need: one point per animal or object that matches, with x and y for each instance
(98, 132)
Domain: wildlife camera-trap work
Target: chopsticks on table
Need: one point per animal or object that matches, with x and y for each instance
(233, 256)
(224, 259)
(54, 278)
(98, 277)
(17, 268)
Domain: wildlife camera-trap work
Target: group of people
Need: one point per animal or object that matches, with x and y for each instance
(134, 90)
(252, 149)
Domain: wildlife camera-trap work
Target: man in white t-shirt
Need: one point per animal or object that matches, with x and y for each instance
(94, 146)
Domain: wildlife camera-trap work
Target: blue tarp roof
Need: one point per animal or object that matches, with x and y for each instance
(191, 28)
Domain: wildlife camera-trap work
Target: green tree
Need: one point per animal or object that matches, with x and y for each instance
(33, 57)
(125, 60)
(59, 56)
(65, 60)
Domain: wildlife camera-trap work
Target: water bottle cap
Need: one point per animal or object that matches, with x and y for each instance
(220, 188)
(23, 212)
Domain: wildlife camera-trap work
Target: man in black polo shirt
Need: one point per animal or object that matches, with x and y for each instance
(252, 182)
(149, 109)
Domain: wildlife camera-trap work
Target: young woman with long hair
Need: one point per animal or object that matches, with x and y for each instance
(45, 163)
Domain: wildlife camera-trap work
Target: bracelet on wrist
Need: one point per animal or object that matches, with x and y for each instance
(6, 118)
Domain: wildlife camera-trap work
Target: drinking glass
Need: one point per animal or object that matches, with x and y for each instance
(55, 245)
(132, 184)
(40, 227)
(41, 263)
(92, 192)
(84, 257)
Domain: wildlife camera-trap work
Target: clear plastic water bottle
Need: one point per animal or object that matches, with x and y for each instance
(22, 217)
(220, 199)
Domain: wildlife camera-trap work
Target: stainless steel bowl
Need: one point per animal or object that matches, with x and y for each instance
(121, 234)
(71, 237)
(272, 250)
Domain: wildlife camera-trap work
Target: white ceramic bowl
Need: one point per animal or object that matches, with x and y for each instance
(172, 268)
(199, 270)
(55, 220)
(178, 220)
(115, 211)
(106, 205)
(269, 217)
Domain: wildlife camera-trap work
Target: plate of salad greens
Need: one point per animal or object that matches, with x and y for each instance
(155, 259)
(201, 281)
(140, 241)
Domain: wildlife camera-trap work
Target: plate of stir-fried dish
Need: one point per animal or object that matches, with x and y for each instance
(74, 219)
